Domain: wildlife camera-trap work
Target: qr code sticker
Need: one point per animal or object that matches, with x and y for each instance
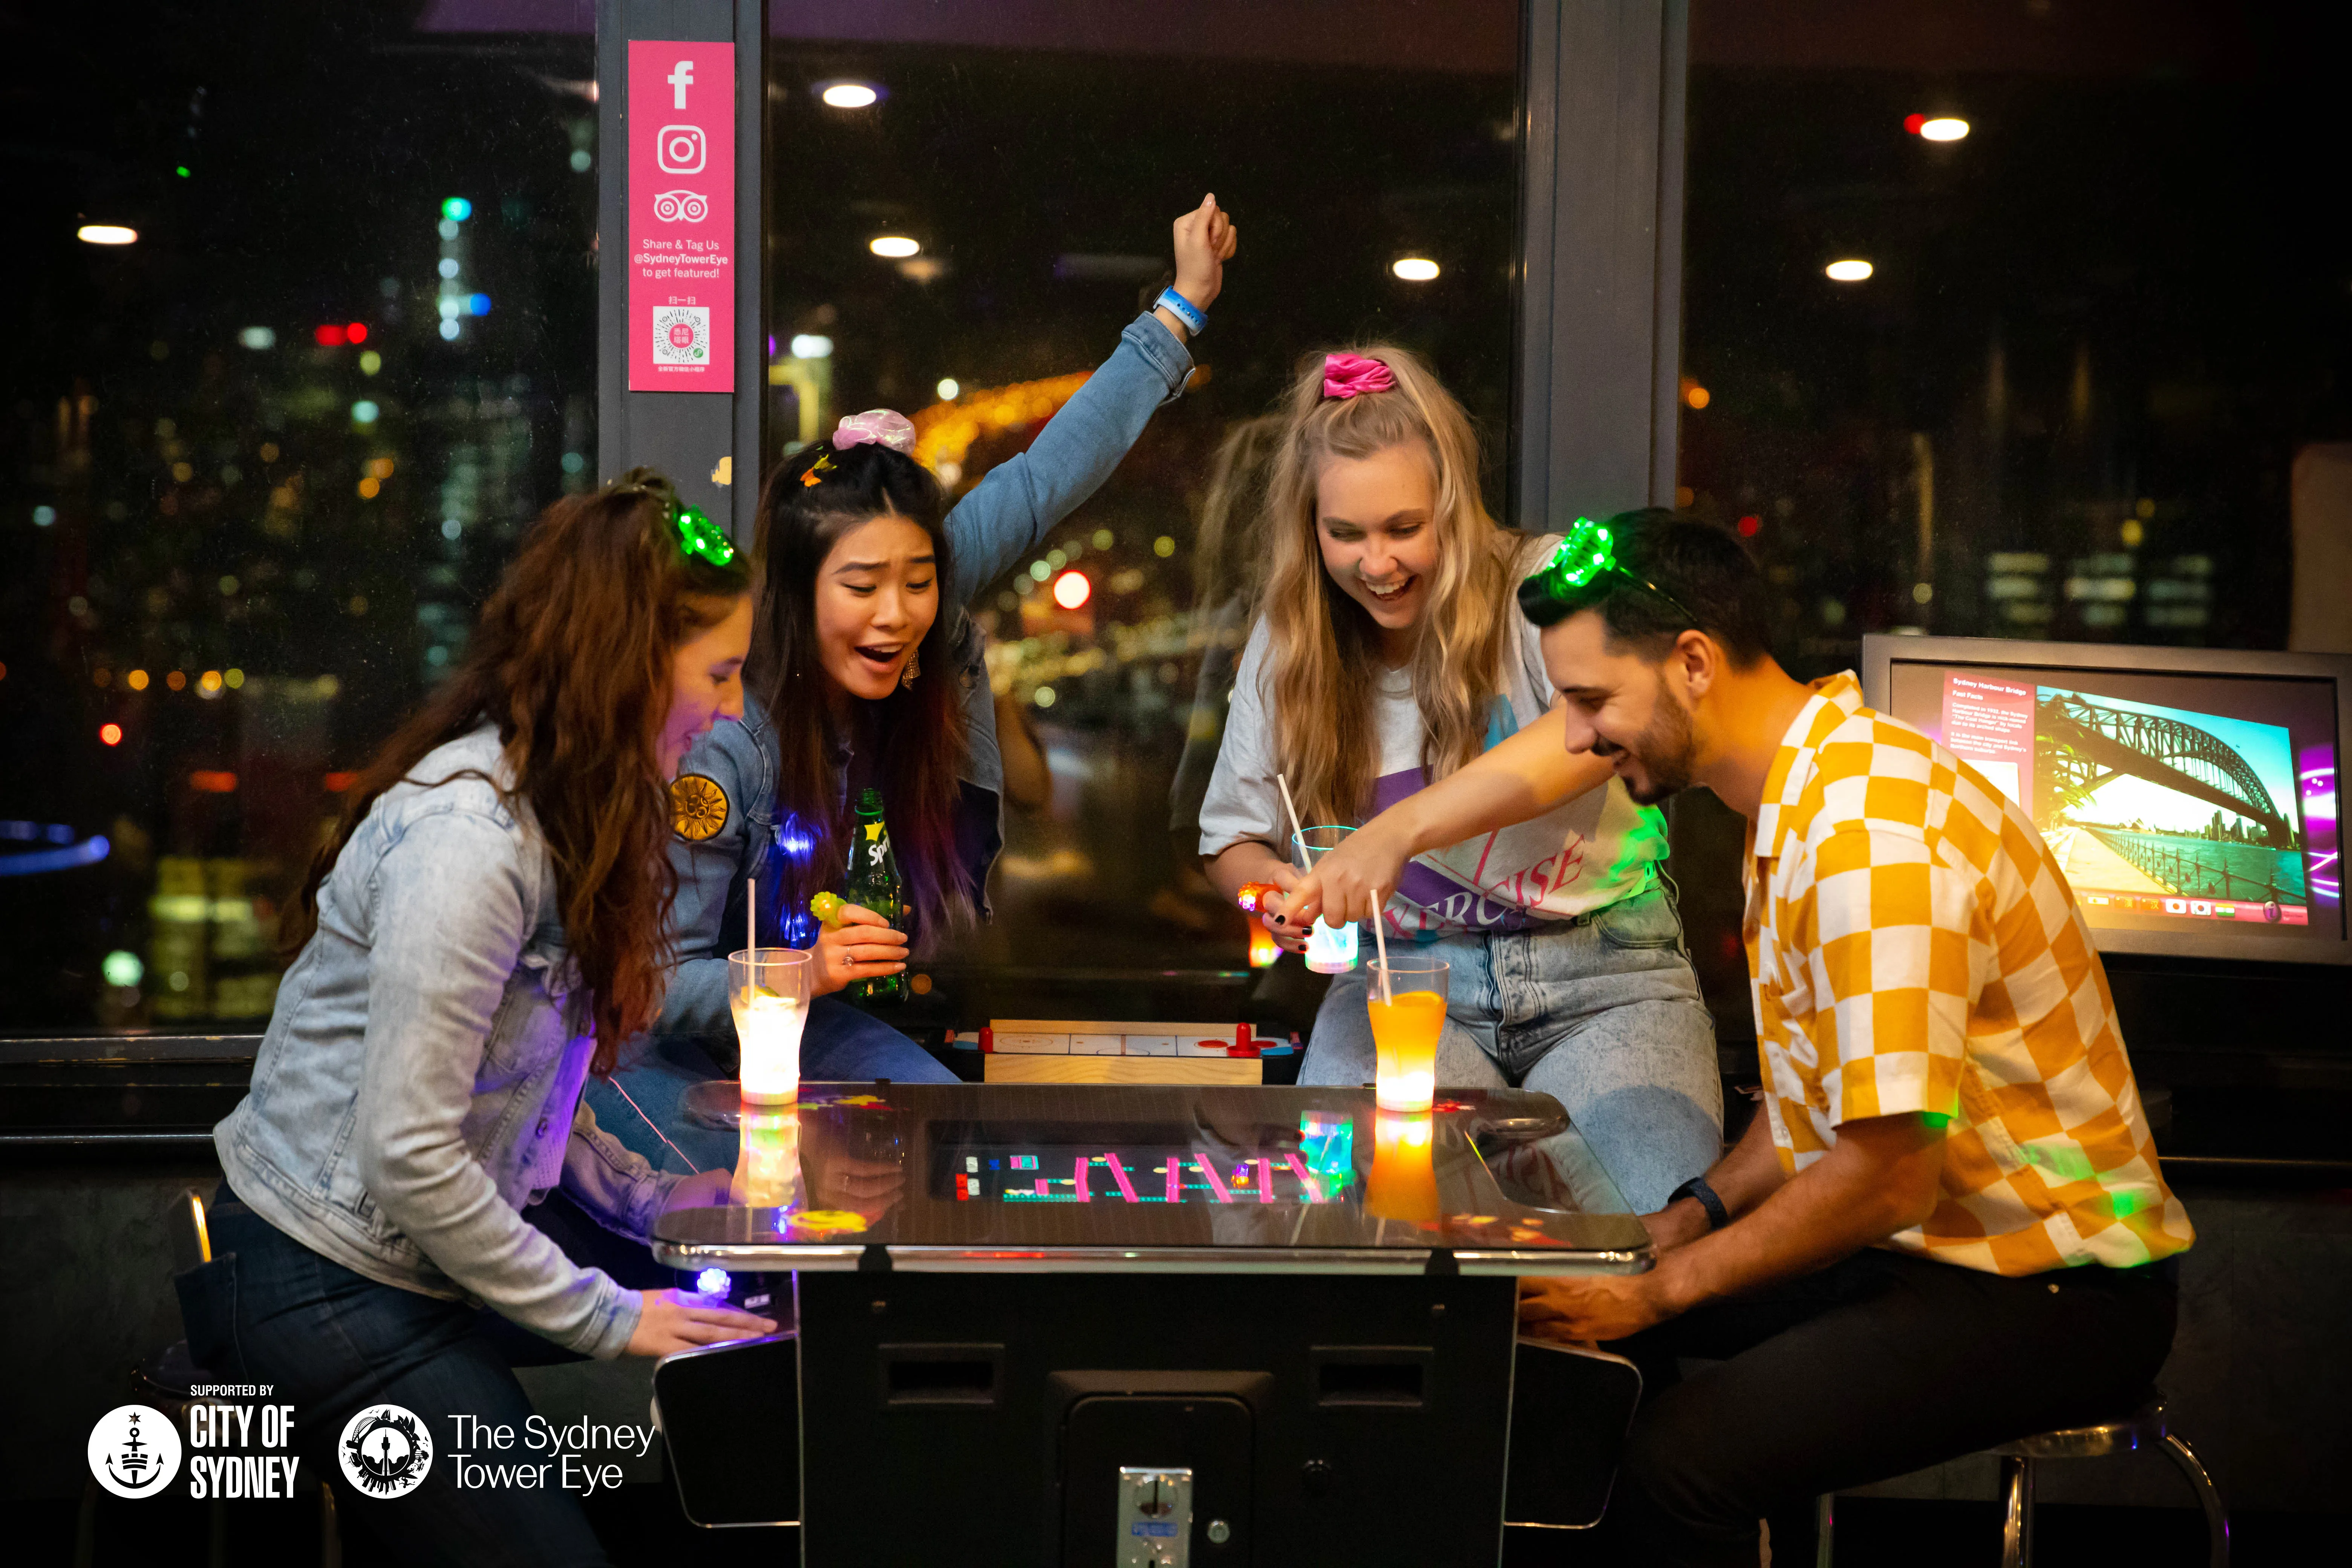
(682, 334)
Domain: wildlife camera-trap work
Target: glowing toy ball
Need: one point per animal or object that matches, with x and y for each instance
(1257, 897)
(826, 908)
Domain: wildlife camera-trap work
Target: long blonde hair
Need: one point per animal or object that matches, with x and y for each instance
(1325, 652)
(1228, 554)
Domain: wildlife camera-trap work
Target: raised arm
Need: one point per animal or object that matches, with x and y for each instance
(1523, 778)
(1011, 511)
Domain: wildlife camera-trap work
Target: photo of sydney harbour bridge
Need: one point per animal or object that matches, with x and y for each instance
(2135, 799)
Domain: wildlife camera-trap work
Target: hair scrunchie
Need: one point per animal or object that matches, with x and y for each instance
(1350, 375)
(881, 427)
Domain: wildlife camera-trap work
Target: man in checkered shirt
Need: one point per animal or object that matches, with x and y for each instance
(1947, 1228)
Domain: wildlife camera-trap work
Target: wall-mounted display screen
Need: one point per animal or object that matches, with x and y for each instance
(2172, 801)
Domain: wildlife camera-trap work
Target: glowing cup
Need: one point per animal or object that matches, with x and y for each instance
(768, 989)
(1406, 1030)
(1331, 950)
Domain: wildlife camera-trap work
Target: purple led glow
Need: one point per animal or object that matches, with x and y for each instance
(2315, 770)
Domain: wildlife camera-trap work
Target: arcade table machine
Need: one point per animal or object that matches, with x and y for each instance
(1162, 1325)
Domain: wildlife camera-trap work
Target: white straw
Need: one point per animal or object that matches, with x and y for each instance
(1381, 935)
(1297, 832)
(752, 911)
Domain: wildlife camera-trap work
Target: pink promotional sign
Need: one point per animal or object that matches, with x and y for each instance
(681, 255)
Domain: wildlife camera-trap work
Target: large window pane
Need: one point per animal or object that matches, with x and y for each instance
(1039, 170)
(263, 462)
(241, 539)
(2104, 307)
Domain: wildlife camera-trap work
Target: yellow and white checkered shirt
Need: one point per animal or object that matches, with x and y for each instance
(1913, 947)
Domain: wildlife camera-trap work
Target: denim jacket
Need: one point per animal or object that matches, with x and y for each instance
(420, 1082)
(990, 530)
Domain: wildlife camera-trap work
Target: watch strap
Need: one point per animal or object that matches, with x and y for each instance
(1717, 1217)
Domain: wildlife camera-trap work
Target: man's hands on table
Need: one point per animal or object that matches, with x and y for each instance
(1883, 1175)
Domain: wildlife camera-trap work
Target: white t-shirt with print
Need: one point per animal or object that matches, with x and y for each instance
(1583, 854)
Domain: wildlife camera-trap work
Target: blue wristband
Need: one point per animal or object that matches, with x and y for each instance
(1195, 320)
(1696, 1189)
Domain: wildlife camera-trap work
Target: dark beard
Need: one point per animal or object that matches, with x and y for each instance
(1664, 751)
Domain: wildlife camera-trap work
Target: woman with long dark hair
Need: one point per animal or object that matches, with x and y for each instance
(481, 934)
(866, 673)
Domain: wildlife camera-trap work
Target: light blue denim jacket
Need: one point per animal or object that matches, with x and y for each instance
(420, 1084)
(1004, 518)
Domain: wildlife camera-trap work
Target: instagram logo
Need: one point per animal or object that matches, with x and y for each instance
(681, 150)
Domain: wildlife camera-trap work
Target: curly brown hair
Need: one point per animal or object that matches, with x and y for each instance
(571, 660)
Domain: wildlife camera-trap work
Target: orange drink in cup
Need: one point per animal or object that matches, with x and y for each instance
(1407, 1002)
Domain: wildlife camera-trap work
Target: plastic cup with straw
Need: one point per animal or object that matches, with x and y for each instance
(768, 991)
(1331, 949)
(1408, 1016)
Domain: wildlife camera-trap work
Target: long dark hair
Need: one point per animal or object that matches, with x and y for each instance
(922, 731)
(571, 660)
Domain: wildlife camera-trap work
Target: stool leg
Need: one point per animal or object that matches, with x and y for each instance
(1824, 1529)
(86, 1526)
(2017, 1518)
(330, 1535)
(2217, 1518)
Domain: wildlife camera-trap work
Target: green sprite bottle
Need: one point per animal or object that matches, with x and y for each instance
(873, 883)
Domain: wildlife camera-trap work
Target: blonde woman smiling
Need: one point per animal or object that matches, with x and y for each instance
(1388, 653)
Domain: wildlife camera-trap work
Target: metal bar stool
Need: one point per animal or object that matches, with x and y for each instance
(2145, 1428)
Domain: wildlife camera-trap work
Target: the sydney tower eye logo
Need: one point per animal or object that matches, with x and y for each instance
(386, 1451)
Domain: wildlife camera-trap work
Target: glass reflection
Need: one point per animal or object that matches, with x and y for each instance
(1403, 1184)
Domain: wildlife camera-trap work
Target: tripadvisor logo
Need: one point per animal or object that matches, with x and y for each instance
(386, 1451)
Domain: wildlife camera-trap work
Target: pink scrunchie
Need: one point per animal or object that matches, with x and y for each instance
(883, 426)
(1346, 375)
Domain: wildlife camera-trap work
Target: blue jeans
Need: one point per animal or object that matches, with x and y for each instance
(841, 1044)
(330, 1342)
(1602, 1014)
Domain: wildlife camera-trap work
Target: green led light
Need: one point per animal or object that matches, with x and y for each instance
(697, 535)
(1590, 552)
(182, 171)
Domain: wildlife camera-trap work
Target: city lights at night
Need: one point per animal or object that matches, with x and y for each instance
(1937, 127)
(417, 369)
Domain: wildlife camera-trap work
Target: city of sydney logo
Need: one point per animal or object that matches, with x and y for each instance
(134, 1450)
(387, 1451)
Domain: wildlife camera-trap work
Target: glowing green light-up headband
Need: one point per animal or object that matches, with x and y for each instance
(697, 535)
(1589, 552)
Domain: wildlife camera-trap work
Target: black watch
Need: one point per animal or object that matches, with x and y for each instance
(1717, 1217)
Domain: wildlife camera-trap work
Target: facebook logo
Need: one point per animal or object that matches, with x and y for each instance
(680, 78)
